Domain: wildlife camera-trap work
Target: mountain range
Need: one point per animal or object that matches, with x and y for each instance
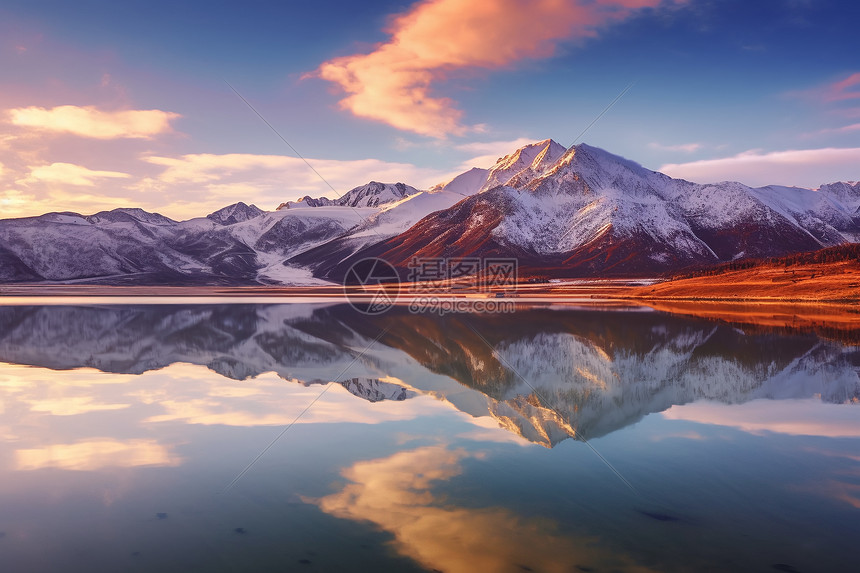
(575, 212)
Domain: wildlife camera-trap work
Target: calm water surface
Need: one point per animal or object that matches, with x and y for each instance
(312, 438)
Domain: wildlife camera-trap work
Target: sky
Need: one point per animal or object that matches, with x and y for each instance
(184, 107)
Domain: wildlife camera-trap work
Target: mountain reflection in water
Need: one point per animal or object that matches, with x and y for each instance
(543, 373)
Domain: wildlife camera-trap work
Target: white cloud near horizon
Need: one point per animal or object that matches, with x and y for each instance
(394, 83)
(96, 454)
(69, 174)
(272, 179)
(809, 417)
(193, 185)
(799, 167)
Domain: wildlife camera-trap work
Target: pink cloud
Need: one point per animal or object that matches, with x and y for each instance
(848, 88)
(842, 89)
(392, 84)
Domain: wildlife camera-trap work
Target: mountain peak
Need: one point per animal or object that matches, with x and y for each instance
(845, 192)
(127, 214)
(600, 169)
(372, 194)
(528, 154)
(524, 165)
(235, 213)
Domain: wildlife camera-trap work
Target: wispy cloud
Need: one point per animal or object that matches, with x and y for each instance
(835, 130)
(832, 93)
(90, 121)
(436, 38)
(801, 167)
(682, 147)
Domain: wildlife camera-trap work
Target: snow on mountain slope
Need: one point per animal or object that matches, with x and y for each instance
(129, 214)
(846, 195)
(465, 184)
(389, 221)
(60, 246)
(272, 238)
(395, 218)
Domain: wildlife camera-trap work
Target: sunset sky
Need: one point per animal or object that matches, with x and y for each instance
(109, 104)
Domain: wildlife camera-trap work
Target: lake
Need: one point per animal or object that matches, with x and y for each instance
(310, 437)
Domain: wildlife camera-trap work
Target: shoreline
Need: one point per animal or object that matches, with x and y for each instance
(836, 319)
(522, 293)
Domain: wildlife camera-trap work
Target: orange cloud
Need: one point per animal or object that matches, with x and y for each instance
(91, 122)
(392, 84)
(397, 495)
(14, 203)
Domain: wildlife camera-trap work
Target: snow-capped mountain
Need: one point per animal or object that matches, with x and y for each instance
(562, 212)
(594, 213)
